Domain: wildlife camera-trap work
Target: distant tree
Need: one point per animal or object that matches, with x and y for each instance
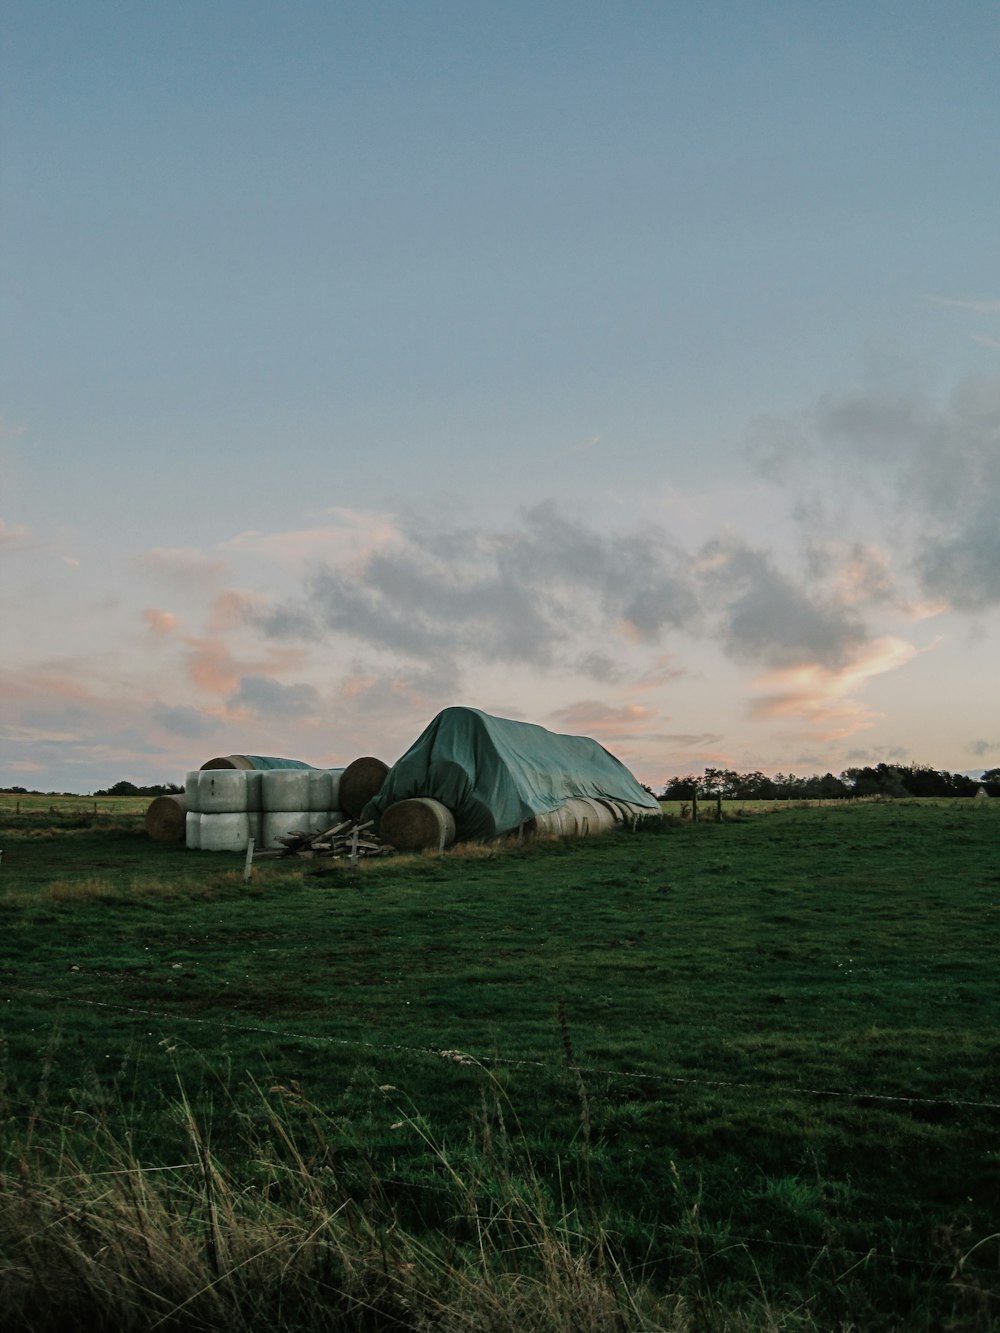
(130, 789)
(882, 780)
(991, 781)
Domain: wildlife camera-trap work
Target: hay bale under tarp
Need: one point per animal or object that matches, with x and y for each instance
(360, 783)
(418, 824)
(261, 761)
(495, 774)
(166, 818)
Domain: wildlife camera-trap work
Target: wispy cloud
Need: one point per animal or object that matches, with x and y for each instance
(13, 534)
(161, 623)
(352, 535)
(185, 567)
(592, 717)
(826, 698)
(981, 307)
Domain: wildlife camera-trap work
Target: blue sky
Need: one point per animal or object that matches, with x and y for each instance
(633, 370)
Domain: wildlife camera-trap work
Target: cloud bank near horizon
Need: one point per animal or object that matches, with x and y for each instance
(869, 512)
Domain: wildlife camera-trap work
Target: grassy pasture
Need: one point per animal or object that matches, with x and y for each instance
(739, 1074)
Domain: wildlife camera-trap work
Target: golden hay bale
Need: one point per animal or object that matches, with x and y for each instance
(359, 782)
(416, 824)
(590, 816)
(228, 761)
(558, 823)
(166, 818)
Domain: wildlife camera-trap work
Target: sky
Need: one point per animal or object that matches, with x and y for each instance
(632, 370)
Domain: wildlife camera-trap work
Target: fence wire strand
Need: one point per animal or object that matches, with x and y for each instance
(463, 1057)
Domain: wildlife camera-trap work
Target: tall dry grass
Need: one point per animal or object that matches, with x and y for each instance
(93, 1237)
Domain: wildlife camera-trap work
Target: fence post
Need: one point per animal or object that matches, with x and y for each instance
(694, 808)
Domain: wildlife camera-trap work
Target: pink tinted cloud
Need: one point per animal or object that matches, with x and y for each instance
(184, 566)
(230, 609)
(354, 535)
(825, 698)
(213, 668)
(660, 672)
(13, 534)
(590, 717)
(161, 623)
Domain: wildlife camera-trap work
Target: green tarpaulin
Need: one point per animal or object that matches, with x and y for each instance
(494, 774)
(267, 762)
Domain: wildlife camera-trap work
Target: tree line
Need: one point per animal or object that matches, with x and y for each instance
(881, 780)
(119, 789)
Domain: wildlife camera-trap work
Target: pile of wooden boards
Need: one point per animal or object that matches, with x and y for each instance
(346, 841)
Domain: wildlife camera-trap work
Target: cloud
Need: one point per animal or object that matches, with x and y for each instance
(693, 740)
(13, 535)
(231, 609)
(926, 471)
(766, 616)
(592, 717)
(964, 566)
(982, 748)
(864, 575)
(161, 623)
(353, 536)
(213, 668)
(980, 307)
(537, 593)
(825, 698)
(183, 566)
(183, 720)
(268, 697)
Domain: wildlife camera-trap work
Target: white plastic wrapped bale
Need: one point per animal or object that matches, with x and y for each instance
(223, 791)
(291, 789)
(277, 824)
(229, 831)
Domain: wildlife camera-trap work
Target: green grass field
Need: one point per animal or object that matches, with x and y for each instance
(739, 1074)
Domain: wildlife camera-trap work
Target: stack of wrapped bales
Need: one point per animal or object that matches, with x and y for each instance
(229, 806)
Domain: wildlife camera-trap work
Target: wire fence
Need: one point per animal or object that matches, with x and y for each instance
(715, 1243)
(463, 1057)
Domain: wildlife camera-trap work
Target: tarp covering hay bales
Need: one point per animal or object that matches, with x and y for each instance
(495, 774)
(166, 818)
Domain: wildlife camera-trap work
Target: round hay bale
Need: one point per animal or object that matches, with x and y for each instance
(192, 831)
(166, 818)
(416, 824)
(228, 761)
(558, 823)
(360, 782)
(589, 816)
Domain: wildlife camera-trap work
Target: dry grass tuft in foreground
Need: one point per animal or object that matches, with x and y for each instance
(90, 1237)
